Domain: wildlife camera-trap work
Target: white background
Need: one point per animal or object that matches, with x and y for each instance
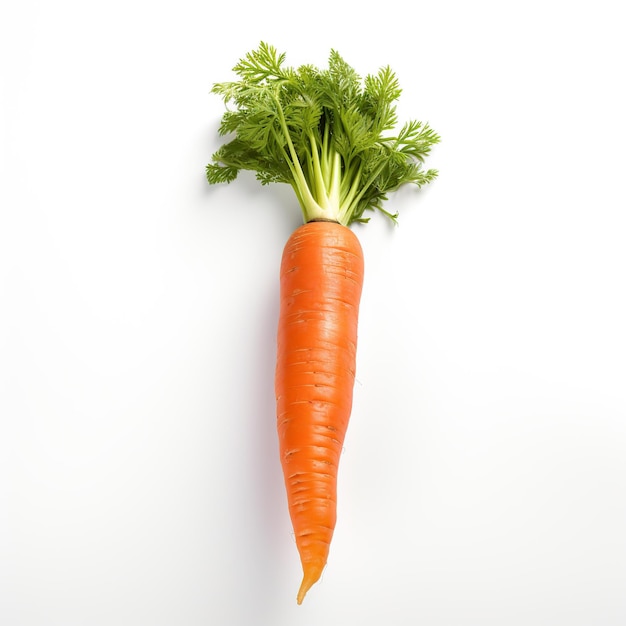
(484, 473)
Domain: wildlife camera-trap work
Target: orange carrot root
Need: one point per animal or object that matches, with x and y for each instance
(321, 282)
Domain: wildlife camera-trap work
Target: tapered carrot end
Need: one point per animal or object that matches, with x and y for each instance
(312, 573)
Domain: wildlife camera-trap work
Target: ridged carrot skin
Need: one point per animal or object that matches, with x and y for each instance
(321, 279)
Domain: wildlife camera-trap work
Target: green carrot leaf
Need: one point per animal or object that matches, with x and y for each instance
(326, 132)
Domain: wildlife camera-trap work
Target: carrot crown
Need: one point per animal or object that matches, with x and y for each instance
(327, 133)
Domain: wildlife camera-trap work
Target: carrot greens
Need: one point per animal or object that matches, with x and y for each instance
(329, 134)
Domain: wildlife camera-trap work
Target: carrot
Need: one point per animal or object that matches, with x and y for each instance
(331, 137)
(321, 278)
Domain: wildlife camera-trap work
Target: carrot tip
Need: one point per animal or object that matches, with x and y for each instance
(312, 573)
